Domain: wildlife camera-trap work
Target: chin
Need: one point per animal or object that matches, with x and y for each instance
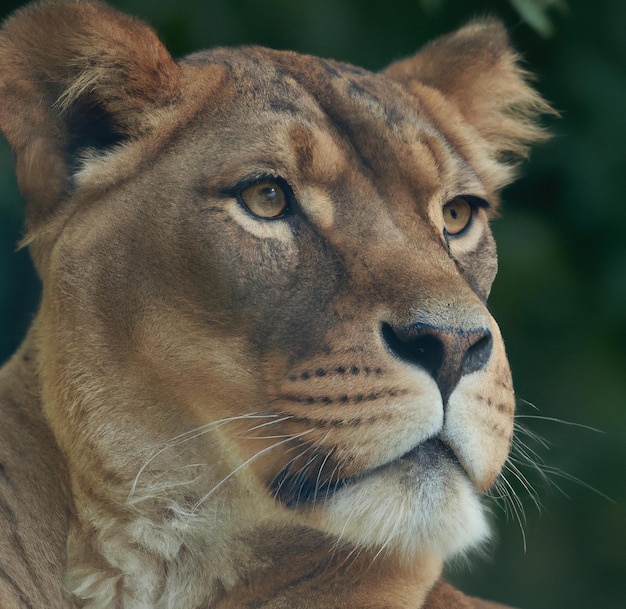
(422, 504)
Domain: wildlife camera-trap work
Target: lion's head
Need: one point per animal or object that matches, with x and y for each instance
(265, 282)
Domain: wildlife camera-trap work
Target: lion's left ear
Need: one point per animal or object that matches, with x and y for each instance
(476, 69)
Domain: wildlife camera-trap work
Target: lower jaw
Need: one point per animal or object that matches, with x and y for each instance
(303, 490)
(422, 504)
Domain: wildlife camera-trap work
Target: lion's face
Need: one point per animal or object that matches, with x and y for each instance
(314, 257)
(269, 288)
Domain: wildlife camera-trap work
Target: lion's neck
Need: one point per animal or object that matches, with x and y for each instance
(209, 567)
(303, 568)
(157, 554)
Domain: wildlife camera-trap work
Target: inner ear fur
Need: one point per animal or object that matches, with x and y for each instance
(476, 69)
(75, 75)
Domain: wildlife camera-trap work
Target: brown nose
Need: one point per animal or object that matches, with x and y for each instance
(445, 353)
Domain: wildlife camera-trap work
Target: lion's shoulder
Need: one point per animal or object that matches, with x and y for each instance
(34, 497)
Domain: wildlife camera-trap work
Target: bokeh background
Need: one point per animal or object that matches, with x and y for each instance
(560, 296)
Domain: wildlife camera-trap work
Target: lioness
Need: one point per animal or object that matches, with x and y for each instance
(263, 373)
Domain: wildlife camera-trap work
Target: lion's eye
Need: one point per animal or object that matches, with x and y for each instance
(457, 215)
(265, 199)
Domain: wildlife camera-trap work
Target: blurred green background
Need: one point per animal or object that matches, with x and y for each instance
(560, 296)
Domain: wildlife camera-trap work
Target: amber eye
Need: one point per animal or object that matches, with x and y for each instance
(265, 199)
(456, 215)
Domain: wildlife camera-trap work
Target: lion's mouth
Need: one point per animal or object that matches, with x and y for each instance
(303, 488)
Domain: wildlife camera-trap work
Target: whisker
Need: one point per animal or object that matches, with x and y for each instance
(330, 480)
(516, 506)
(525, 459)
(560, 421)
(156, 490)
(523, 480)
(288, 467)
(319, 473)
(530, 458)
(282, 435)
(527, 403)
(515, 501)
(555, 471)
(520, 428)
(524, 450)
(187, 436)
(275, 422)
(244, 464)
(300, 478)
(500, 494)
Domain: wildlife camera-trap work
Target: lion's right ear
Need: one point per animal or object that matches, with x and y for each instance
(74, 76)
(476, 70)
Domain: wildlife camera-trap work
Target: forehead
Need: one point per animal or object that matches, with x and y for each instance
(320, 116)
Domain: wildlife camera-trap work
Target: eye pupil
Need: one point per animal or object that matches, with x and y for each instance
(457, 215)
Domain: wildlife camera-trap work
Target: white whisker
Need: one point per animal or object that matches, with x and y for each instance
(524, 450)
(274, 422)
(523, 480)
(319, 472)
(289, 466)
(557, 420)
(525, 459)
(187, 436)
(517, 507)
(244, 464)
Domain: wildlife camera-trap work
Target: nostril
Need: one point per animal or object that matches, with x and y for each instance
(478, 353)
(425, 350)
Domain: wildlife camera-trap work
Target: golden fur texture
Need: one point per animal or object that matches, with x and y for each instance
(263, 373)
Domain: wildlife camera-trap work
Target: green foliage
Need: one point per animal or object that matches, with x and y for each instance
(535, 13)
(561, 293)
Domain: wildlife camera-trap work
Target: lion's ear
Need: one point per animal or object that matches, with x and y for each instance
(73, 76)
(476, 69)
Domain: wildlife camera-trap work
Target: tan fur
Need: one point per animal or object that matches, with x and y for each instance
(216, 410)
